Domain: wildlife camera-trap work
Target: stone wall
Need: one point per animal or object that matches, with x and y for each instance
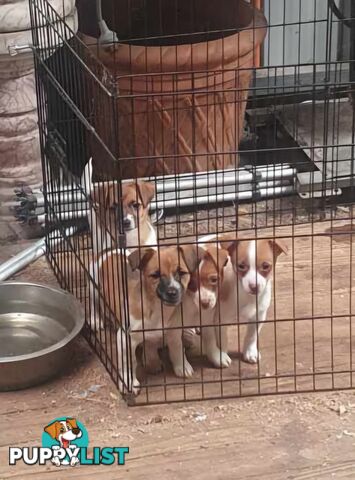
(19, 143)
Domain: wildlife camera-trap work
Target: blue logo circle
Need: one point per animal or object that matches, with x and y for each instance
(65, 431)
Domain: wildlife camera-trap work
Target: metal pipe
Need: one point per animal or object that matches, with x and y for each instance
(263, 190)
(18, 262)
(268, 191)
(64, 216)
(227, 178)
(190, 181)
(190, 200)
(29, 255)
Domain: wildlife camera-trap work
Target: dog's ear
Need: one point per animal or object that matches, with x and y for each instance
(105, 194)
(146, 192)
(99, 194)
(219, 257)
(193, 283)
(192, 255)
(230, 246)
(278, 246)
(140, 257)
(72, 422)
(52, 429)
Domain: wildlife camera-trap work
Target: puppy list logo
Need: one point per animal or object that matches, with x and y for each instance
(65, 442)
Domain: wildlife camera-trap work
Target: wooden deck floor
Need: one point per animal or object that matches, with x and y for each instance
(303, 436)
(307, 342)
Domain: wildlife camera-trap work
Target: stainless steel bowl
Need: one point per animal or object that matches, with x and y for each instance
(38, 325)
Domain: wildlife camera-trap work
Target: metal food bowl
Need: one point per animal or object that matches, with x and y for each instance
(38, 325)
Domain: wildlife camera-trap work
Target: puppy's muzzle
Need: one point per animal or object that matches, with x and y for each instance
(207, 304)
(129, 223)
(253, 289)
(168, 293)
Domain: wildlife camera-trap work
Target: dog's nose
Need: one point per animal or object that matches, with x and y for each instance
(253, 288)
(76, 431)
(172, 292)
(126, 222)
(205, 304)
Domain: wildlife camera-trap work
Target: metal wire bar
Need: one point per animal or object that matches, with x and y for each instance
(238, 123)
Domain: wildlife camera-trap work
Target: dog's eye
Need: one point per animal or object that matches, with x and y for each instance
(213, 279)
(62, 430)
(155, 274)
(135, 205)
(242, 267)
(265, 266)
(181, 272)
(114, 207)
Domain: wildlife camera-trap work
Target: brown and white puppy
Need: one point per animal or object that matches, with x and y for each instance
(199, 305)
(200, 302)
(104, 217)
(205, 283)
(244, 278)
(153, 295)
(246, 291)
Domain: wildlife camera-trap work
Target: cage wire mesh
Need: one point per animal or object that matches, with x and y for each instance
(173, 120)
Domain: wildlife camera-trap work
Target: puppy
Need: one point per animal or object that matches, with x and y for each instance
(104, 217)
(232, 286)
(201, 301)
(246, 291)
(153, 294)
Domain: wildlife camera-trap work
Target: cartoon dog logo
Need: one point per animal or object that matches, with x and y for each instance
(64, 432)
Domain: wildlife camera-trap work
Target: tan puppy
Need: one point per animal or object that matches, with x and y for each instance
(153, 295)
(104, 217)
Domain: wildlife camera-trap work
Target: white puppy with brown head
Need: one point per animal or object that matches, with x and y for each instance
(153, 294)
(107, 208)
(201, 301)
(247, 289)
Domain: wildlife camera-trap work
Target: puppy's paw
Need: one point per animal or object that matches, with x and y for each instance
(221, 360)
(74, 461)
(189, 337)
(192, 343)
(136, 387)
(184, 370)
(151, 361)
(251, 355)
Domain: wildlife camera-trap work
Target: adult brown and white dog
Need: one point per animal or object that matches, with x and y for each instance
(103, 218)
(155, 289)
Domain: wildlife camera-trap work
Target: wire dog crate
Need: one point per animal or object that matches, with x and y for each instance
(190, 152)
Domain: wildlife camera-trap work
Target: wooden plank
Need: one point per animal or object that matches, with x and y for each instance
(297, 437)
(272, 439)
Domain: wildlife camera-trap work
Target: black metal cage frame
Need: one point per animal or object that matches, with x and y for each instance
(290, 178)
